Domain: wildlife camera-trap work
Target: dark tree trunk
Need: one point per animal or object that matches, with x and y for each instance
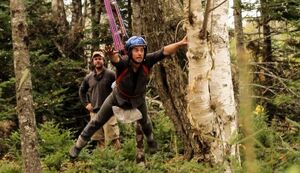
(59, 15)
(239, 35)
(68, 37)
(96, 10)
(267, 44)
(267, 50)
(238, 26)
(74, 49)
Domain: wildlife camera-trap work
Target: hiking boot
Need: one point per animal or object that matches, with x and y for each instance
(101, 144)
(152, 145)
(116, 143)
(74, 152)
(140, 156)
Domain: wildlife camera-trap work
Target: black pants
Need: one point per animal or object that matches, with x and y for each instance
(104, 114)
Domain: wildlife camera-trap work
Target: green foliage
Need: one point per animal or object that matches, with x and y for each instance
(55, 88)
(165, 133)
(14, 143)
(9, 167)
(56, 78)
(7, 81)
(54, 145)
(180, 165)
(280, 99)
(7, 100)
(277, 150)
(277, 143)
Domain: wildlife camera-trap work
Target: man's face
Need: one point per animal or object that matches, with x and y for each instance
(98, 61)
(138, 53)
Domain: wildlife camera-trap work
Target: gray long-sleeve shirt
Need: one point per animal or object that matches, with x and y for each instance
(95, 88)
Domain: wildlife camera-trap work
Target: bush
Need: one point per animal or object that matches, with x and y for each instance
(9, 167)
(54, 145)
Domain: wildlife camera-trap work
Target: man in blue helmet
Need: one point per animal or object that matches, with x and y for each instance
(129, 92)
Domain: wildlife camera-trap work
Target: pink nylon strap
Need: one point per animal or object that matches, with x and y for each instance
(113, 27)
(123, 30)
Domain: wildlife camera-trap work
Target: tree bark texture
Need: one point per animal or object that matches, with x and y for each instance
(137, 27)
(211, 105)
(267, 48)
(267, 44)
(68, 36)
(221, 85)
(26, 116)
(238, 26)
(245, 91)
(96, 10)
(59, 14)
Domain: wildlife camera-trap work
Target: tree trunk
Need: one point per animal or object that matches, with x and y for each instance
(75, 51)
(129, 18)
(267, 49)
(26, 116)
(68, 38)
(245, 91)
(238, 26)
(61, 25)
(96, 10)
(76, 22)
(211, 105)
(267, 44)
(210, 120)
(137, 6)
(59, 15)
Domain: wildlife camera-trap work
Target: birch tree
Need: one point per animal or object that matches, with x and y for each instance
(203, 112)
(211, 106)
(26, 116)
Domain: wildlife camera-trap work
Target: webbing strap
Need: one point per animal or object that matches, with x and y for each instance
(123, 30)
(113, 26)
(121, 76)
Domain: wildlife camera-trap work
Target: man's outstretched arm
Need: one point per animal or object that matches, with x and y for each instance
(172, 48)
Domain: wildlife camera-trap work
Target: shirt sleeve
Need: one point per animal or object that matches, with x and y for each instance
(83, 89)
(120, 66)
(112, 77)
(154, 57)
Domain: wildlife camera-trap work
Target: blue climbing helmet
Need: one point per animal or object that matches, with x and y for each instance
(133, 42)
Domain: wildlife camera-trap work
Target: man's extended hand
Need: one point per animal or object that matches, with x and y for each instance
(112, 53)
(172, 48)
(110, 50)
(184, 41)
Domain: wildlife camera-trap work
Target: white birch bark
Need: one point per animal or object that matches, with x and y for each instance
(211, 106)
(221, 84)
